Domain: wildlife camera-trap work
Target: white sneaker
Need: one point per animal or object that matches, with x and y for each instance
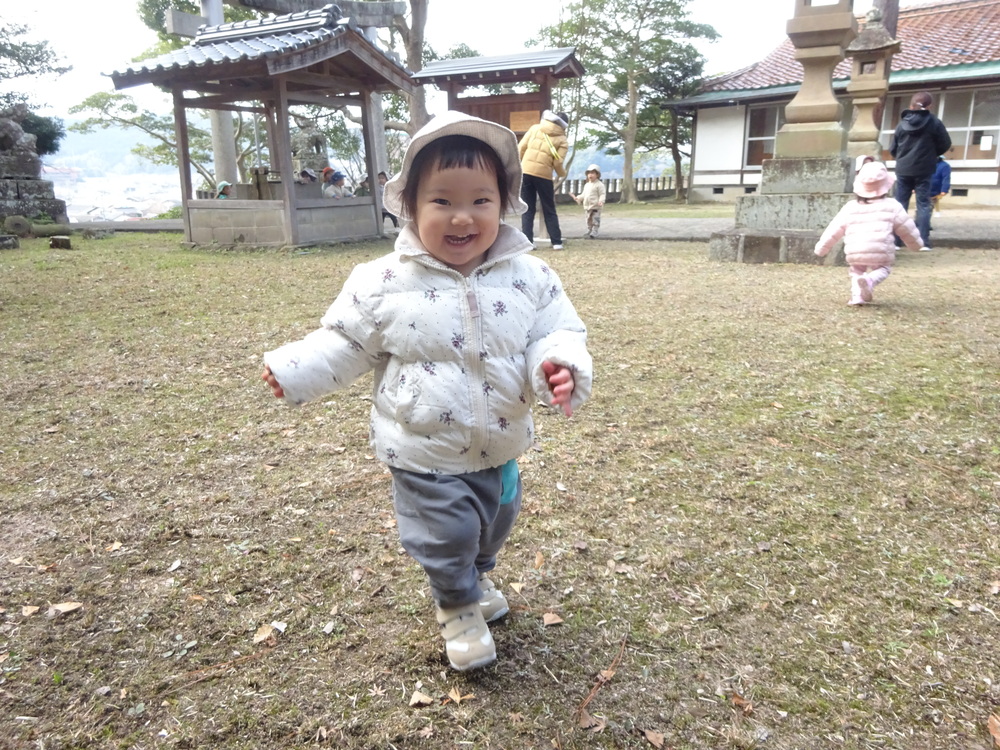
(492, 601)
(467, 637)
(925, 249)
(557, 247)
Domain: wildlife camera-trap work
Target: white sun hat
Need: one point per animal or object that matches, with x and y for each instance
(500, 139)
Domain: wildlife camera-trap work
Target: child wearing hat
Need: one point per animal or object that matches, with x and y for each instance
(592, 200)
(335, 187)
(465, 329)
(223, 189)
(867, 225)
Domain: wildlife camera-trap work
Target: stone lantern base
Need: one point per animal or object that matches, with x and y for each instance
(782, 224)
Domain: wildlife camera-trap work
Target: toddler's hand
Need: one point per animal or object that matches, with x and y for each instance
(268, 377)
(561, 383)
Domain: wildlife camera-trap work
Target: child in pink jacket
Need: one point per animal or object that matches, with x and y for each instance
(867, 225)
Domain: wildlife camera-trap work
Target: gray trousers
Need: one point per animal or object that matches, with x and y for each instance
(454, 526)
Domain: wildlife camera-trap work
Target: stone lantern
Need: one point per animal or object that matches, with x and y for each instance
(871, 56)
(820, 32)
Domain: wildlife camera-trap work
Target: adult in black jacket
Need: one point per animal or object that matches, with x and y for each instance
(919, 140)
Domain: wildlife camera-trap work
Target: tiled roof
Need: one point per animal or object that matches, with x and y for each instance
(257, 41)
(559, 62)
(944, 33)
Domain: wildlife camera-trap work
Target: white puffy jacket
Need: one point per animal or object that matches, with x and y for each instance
(457, 360)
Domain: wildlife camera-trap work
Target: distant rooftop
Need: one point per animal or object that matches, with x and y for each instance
(521, 66)
(937, 35)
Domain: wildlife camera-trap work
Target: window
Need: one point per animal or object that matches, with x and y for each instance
(763, 124)
(972, 118)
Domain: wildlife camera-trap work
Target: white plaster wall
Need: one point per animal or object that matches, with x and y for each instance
(719, 138)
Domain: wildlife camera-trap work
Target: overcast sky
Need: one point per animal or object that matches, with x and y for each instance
(99, 37)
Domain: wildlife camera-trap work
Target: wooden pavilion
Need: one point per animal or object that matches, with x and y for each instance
(517, 111)
(264, 67)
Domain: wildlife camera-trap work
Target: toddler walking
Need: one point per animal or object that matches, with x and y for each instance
(867, 224)
(592, 199)
(464, 329)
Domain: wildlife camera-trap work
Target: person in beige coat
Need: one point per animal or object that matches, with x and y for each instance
(543, 150)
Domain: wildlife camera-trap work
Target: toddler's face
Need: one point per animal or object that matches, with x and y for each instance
(458, 215)
(591, 176)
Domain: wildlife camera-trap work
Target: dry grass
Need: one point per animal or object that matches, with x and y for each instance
(785, 509)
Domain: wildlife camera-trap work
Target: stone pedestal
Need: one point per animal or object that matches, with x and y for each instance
(810, 178)
(29, 198)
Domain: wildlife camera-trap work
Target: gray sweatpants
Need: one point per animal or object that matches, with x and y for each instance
(454, 526)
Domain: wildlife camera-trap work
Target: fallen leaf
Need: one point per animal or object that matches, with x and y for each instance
(15, 560)
(279, 626)
(174, 566)
(655, 738)
(270, 467)
(551, 618)
(263, 633)
(580, 545)
(776, 405)
(420, 699)
(456, 695)
(518, 587)
(62, 608)
(539, 560)
(743, 704)
(427, 732)
(114, 547)
(994, 726)
(328, 628)
(606, 675)
(357, 574)
(561, 487)
(196, 598)
(995, 588)
(591, 723)
(3, 656)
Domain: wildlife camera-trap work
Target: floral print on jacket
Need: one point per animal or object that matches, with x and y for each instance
(457, 360)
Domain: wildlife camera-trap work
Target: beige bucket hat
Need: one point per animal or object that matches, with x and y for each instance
(500, 139)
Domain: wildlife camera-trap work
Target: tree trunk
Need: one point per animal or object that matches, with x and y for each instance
(628, 143)
(413, 42)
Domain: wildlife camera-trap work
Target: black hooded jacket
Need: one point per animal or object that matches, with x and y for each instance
(919, 140)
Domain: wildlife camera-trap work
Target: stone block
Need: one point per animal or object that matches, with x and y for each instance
(60, 242)
(803, 176)
(201, 235)
(9, 242)
(790, 211)
(34, 190)
(745, 245)
(798, 140)
(20, 165)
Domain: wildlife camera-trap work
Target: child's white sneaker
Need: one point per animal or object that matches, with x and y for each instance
(467, 637)
(492, 601)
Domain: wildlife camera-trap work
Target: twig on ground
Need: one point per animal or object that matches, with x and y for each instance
(603, 678)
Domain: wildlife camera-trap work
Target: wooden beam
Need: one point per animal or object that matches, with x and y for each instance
(302, 97)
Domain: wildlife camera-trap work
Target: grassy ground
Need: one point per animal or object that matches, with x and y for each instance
(775, 525)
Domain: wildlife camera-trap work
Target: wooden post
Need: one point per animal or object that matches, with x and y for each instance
(183, 158)
(284, 158)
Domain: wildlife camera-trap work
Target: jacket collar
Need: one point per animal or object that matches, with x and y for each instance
(510, 243)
